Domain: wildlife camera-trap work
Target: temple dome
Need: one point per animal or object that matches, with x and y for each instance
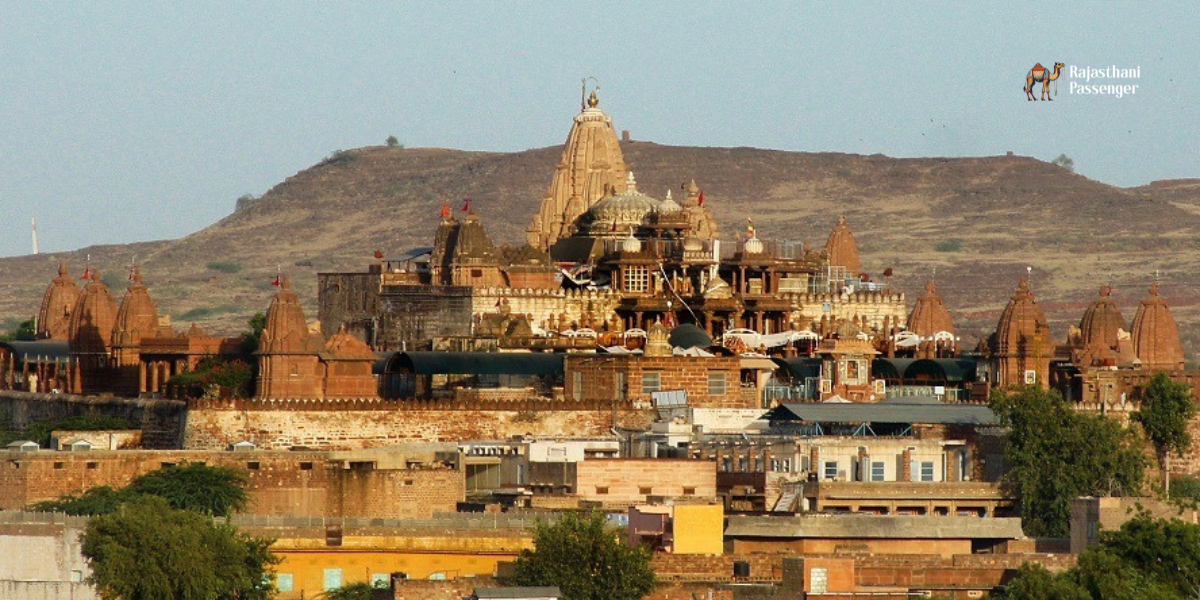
(631, 245)
(54, 317)
(688, 335)
(693, 244)
(669, 206)
(842, 248)
(753, 246)
(621, 212)
(286, 330)
(1155, 334)
(930, 315)
(93, 318)
(137, 317)
(1023, 327)
(1101, 321)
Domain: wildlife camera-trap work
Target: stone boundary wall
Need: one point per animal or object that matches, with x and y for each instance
(47, 590)
(161, 421)
(325, 428)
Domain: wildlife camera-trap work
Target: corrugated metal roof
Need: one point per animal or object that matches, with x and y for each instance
(43, 350)
(927, 527)
(476, 363)
(884, 412)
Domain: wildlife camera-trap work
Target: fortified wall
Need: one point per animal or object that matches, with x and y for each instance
(345, 425)
(161, 421)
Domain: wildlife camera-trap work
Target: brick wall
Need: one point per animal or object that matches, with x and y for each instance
(634, 480)
(599, 379)
(330, 426)
(452, 589)
(279, 483)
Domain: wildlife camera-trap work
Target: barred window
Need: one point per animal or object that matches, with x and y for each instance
(637, 279)
(651, 382)
(716, 384)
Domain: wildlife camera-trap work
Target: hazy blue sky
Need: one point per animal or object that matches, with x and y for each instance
(135, 121)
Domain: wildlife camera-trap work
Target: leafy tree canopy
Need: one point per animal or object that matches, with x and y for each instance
(147, 550)
(1055, 454)
(351, 591)
(1147, 559)
(1166, 408)
(587, 559)
(216, 491)
(24, 332)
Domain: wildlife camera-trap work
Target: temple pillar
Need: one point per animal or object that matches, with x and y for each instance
(141, 377)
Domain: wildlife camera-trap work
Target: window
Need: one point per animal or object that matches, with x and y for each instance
(831, 469)
(333, 579)
(726, 464)
(927, 471)
(93, 465)
(58, 465)
(408, 482)
(601, 490)
(577, 385)
(877, 473)
(168, 464)
(305, 466)
(689, 491)
(716, 384)
(252, 465)
(651, 382)
(284, 582)
(380, 581)
(645, 490)
(622, 387)
(637, 279)
(476, 273)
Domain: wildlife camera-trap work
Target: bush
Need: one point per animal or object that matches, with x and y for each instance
(392, 142)
(341, 158)
(948, 246)
(224, 266)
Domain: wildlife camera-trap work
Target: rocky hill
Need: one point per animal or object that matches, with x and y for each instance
(979, 222)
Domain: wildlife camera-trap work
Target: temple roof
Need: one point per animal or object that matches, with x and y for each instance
(842, 249)
(286, 331)
(93, 318)
(345, 345)
(1023, 327)
(54, 317)
(1155, 335)
(137, 317)
(592, 167)
(1101, 321)
(930, 314)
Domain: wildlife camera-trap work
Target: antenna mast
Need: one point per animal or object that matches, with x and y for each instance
(36, 250)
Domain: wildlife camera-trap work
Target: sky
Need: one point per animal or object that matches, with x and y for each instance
(134, 121)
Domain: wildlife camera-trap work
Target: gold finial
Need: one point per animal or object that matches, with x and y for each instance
(593, 100)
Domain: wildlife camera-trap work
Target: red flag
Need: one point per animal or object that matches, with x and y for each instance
(131, 273)
(683, 186)
(445, 209)
(275, 283)
(700, 199)
(614, 225)
(466, 205)
(87, 273)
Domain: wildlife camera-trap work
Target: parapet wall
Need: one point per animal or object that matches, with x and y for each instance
(161, 421)
(329, 426)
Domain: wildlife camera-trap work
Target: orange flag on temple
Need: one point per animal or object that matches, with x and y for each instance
(466, 205)
(276, 282)
(445, 209)
(700, 199)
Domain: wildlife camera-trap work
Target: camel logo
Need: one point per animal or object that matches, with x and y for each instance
(1039, 74)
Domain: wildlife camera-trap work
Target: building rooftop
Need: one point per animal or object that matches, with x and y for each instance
(874, 527)
(895, 411)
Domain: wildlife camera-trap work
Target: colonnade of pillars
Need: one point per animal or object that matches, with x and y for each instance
(35, 374)
(154, 374)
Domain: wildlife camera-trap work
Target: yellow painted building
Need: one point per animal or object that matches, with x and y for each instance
(310, 565)
(698, 529)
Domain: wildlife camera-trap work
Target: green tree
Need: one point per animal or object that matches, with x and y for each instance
(1147, 559)
(351, 591)
(26, 331)
(587, 559)
(1065, 162)
(208, 490)
(100, 500)
(251, 337)
(392, 142)
(1167, 407)
(1055, 454)
(147, 550)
